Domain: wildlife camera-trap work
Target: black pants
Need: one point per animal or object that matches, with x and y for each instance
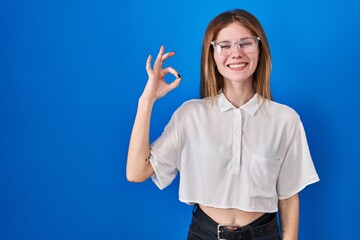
(204, 228)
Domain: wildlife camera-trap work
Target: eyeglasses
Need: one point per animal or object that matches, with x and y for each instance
(246, 45)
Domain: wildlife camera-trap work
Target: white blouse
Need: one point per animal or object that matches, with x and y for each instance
(246, 158)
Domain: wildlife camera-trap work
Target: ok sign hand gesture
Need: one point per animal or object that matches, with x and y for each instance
(156, 87)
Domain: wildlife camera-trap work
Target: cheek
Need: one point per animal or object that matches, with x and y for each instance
(257, 56)
(219, 60)
(255, 60)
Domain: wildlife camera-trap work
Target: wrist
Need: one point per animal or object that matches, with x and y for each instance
(144, 101)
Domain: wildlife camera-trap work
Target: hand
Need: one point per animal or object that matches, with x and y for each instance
(156, 87)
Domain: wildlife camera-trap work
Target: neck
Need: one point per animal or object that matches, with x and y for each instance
(239, 95)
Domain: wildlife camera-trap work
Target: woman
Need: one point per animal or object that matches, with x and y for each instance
(240, 156)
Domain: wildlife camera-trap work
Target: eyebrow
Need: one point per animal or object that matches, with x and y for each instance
(237, 39)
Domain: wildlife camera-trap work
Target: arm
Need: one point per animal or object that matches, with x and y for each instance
(289, 217)
(138, 168)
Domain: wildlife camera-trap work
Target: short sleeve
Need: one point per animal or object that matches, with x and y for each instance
(297, 170)
(165, 152)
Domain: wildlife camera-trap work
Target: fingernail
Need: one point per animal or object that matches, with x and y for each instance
(179, 75)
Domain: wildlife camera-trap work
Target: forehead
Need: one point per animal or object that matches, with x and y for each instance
(234, 30)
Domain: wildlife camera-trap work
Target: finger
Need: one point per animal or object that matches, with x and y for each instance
(174, 84)
(172, 71)
(158, 61)
(167, 55)
(148, 63)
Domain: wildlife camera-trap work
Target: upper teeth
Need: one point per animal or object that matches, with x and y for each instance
(237, 65)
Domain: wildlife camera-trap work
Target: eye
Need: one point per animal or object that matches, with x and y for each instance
(246, 43)
(224, 45)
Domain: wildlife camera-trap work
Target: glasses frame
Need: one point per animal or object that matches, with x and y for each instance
(216, 42)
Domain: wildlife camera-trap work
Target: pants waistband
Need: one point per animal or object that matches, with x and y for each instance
(261, 227)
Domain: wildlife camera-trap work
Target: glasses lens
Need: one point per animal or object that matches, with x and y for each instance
(224, 48)
(248, 45)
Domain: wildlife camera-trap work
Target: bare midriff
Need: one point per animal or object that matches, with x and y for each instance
(231, 216)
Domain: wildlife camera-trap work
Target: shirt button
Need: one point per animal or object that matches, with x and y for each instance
(237, 132)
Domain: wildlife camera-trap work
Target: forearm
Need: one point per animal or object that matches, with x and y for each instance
(289, 217)
(138, 168)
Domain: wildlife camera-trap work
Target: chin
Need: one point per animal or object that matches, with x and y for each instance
(239, 79)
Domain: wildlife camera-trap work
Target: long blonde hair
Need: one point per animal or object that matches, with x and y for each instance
(211, 81)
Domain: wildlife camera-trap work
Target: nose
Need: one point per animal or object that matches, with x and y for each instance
(236, 50)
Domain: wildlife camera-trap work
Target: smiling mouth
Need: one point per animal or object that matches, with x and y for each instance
(237, 66)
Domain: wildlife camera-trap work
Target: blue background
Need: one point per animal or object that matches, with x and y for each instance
(70, 76)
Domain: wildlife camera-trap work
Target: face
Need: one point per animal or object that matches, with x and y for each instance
(238, 67)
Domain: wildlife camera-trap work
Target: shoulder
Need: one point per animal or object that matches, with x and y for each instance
(193, 105)
(281, 112)
(192, 111)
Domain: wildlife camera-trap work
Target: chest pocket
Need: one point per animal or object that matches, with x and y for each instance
(264, 173)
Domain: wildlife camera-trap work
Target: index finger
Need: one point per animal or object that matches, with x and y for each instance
(167, 55)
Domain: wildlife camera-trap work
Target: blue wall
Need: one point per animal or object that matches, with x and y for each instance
(70, 76)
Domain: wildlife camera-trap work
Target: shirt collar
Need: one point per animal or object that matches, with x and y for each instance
(250, 106)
